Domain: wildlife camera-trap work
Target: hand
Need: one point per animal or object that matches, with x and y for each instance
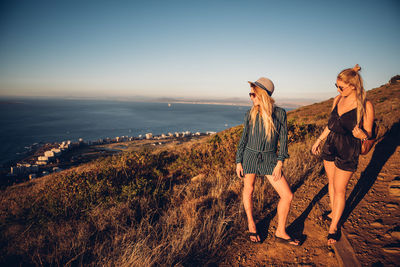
(277, 173)
(359, 133)
(316, 148)
(239, 170)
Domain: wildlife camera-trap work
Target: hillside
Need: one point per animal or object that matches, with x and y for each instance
(181, 205)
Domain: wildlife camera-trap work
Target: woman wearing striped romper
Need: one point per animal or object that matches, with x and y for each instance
(264, 126)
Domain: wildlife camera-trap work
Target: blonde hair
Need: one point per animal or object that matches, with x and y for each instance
(265, 110)
(351, 77)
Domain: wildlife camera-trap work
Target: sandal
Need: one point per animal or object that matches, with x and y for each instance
(335, 236)
(288, 241)
(255, 235)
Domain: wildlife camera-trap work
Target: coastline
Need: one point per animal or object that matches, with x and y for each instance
(68, 154)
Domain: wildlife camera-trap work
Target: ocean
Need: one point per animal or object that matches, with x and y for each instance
(27, 121)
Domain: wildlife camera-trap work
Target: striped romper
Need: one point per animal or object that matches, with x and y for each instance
(256, 154)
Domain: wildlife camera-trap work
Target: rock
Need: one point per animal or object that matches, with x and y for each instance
(377, 225)
(394, 188)
(352, 236)
(392, 250)
(392, 206)
(198, 178)
(395, 235)
(387, 236)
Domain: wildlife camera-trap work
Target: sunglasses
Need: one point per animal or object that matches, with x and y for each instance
(339, 87)
(252, 94)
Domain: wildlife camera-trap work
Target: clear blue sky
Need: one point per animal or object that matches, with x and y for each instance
(205, 49)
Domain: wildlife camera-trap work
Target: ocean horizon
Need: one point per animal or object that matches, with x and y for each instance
(26, 121)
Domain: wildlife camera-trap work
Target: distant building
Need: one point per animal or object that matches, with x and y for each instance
(65, 145)
(49, 154)
(149, 136)
(43, 158)
(56, 151)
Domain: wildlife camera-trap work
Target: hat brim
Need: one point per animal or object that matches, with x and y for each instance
(261, 87)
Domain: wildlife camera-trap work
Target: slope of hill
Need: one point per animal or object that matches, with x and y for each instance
(182, 205)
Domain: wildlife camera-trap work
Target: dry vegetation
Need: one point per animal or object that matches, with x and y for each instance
(174, 207)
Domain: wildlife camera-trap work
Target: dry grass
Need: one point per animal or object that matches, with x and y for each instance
(144, 209)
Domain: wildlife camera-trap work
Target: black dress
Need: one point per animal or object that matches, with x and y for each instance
(341, 146)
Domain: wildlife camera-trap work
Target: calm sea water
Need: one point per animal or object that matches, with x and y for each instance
(27, 121)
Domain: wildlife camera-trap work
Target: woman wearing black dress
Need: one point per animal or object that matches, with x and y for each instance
(350, 122)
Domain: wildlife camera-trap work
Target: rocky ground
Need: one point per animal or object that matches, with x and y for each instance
(371, 218)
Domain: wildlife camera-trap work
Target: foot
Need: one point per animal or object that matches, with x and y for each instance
(333, 237)
(254, 237)
(286, 239)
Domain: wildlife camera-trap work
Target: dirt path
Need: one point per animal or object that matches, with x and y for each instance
(372, 218)
(373, 226)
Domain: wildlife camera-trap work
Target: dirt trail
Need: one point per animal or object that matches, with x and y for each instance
(371, 218)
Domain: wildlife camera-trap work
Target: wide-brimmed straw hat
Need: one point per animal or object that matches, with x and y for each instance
(264, 83)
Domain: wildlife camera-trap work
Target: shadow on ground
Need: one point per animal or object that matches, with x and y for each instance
(383, 150)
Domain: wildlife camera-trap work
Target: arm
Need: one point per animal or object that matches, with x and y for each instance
(283, 147)
(369, 118)
(243, 140)
(241, 146)
(283, 137)
(368, 122)
(316, 147)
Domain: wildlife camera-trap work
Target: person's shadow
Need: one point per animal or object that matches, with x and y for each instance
(263, 225)
(383, 151)
(296, 228)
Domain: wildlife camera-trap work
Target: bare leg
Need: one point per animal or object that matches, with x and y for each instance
(282, 188)
(340, 182)
(248, 204)
(330, 172)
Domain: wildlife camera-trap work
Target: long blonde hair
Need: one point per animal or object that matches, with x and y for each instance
(265, 110)
(352, 77)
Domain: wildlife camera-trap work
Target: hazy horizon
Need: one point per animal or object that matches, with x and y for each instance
(245, 101)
